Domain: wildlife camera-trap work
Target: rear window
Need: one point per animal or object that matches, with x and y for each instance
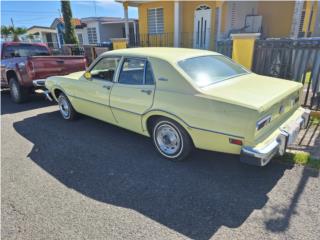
(207, 70)
(25, 50)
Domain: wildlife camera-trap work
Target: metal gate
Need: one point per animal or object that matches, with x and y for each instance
(297, 60)
(225, 47)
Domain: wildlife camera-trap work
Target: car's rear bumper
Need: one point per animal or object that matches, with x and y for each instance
(286, 134)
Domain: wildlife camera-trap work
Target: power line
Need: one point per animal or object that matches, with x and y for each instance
(31, 19)
(22, 11)
(31, 14)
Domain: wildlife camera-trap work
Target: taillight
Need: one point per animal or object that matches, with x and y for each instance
(30, 66)
(235, 141)
(85, 62)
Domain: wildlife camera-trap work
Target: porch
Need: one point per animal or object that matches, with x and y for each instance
(201, 24)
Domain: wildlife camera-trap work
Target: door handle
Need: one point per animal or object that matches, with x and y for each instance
(60, 61)
(146, 91)
(106, 86)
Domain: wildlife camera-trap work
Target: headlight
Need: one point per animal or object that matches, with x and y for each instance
(263, 122)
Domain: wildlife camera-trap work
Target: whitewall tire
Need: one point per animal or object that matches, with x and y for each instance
(65, 107)
(171, 140)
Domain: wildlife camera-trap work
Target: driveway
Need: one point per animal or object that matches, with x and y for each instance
(91, 180)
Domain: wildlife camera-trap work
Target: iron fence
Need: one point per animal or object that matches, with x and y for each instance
(225, 47)
(153, 40)
(187, 40)
(297, 60)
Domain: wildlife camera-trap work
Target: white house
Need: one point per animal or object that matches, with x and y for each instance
(42, 34)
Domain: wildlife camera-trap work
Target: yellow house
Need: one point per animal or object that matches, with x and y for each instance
(200, 24)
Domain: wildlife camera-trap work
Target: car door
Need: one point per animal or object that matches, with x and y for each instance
(92, 95)
(132, 94)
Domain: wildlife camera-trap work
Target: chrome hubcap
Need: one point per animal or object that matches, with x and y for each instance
(64, 107)
(168, 139)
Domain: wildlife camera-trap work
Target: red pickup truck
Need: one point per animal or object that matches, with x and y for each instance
(21, 63)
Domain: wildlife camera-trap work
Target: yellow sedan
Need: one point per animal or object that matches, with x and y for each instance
(186, 98)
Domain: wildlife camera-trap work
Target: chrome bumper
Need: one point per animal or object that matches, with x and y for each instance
(288, 134)
(48, 95)
(40, 83)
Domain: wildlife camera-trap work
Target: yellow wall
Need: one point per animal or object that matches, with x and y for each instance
(276, 17)
(168, 18)
(187, 27)
(243, 49)
(308, 5)
(224, 16)
(119, 43)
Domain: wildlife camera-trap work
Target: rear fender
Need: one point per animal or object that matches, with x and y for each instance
(161, 113)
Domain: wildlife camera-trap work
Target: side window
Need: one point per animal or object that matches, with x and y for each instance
(105, 69)
(8, 52)
(132, 71)
(149, 75)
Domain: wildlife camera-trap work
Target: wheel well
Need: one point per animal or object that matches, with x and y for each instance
(150, 122)
(152, 119)
(11, 74)
(57, 93)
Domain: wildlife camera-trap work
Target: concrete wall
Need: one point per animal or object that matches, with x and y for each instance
(237, 11)
(168, 10)
(277, 17)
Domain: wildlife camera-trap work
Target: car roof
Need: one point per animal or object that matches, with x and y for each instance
(165, 53)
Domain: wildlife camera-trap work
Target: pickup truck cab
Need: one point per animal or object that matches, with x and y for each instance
(22, 63)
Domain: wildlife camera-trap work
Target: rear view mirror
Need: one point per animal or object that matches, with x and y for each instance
(87, 75)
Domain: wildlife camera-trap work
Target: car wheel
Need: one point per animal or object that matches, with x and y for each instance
(171, 140)
(65, 107)
(18, 93)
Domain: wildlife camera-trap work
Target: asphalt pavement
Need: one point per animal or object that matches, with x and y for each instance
(90, 180)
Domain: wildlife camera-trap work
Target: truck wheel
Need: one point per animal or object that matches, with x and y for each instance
(171, 140)
(18, 93)
(66, 109)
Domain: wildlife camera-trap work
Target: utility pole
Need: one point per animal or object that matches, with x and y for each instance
(12, 23)
(95, 8)
(59, 11)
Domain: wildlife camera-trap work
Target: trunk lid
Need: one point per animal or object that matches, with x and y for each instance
(253, 91)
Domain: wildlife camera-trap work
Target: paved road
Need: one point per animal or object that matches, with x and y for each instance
(91, 180)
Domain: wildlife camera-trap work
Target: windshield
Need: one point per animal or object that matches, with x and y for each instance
(25, 50)
(207, 70)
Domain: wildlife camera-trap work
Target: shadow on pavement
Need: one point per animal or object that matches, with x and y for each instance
(281, 223)
(35, 101)
(114, 166)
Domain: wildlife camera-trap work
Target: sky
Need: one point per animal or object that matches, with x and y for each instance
(29, 13)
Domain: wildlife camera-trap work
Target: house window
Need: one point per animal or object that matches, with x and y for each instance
(80, 38)
(92, 35)
(155, 20)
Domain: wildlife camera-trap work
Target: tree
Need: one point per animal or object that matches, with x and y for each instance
(5, 32)
(15, 32)
(69, 34)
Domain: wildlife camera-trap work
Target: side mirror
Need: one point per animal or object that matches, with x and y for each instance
(87, 75)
